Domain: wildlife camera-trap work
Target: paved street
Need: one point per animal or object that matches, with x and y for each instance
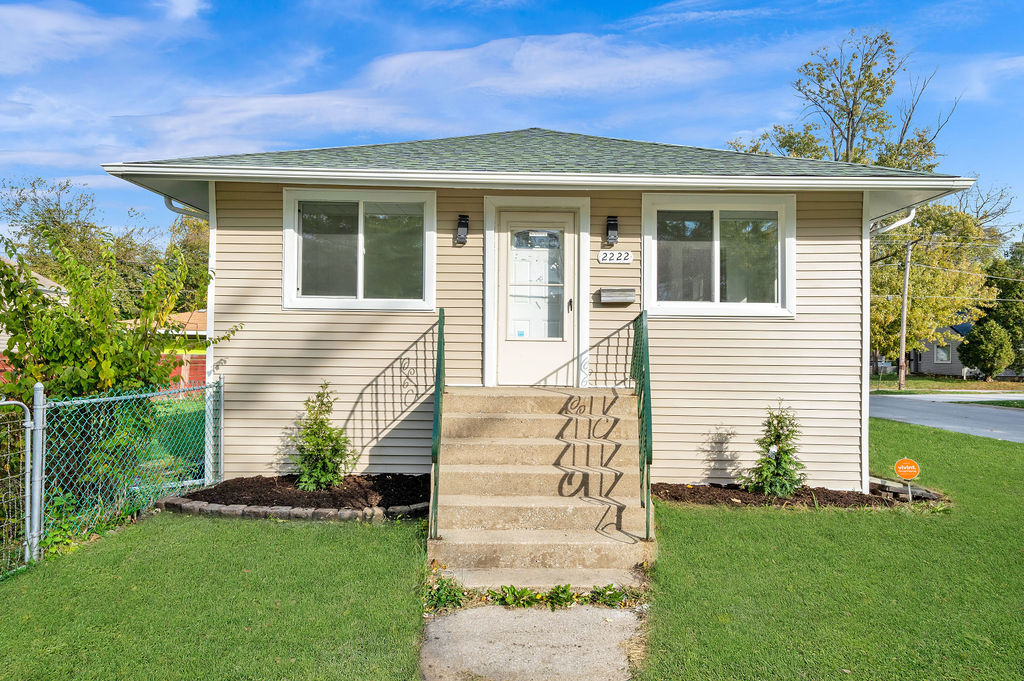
(942, 411)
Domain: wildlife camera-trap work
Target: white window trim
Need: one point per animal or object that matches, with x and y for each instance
(949, 354)
(785, 204)
(291, 299)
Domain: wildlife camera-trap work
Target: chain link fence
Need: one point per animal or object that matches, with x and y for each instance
(13, 486)
(109, 457)
(103, 460)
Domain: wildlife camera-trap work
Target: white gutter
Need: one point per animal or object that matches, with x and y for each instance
(899, 223)
(559, 180)
(187, 211)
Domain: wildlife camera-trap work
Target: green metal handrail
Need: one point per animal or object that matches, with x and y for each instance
(640, 371)
(435, 445)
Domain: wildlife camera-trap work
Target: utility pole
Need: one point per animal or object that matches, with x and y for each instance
(903, 316)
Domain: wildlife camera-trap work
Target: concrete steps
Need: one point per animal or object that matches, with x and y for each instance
(538, 487)
(562, 549)
(543, 579)
(540, 451)
(555, 481)
(465, 512)
(531, 425)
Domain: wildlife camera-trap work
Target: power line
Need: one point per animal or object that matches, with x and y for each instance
(946, 269)
(997, 300)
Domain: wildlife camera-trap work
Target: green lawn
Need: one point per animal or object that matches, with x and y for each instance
(736, 594)
(925, 384)
(1013, 404)
(784, 594)
(210, 598)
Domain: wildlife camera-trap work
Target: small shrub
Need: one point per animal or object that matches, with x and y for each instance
(322, 451)
(777, 472)
(443, 593)
(515, 598)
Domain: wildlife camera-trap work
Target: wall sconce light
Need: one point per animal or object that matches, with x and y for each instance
(462, 231)
(612, 230)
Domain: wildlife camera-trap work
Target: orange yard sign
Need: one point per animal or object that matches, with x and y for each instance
(907, 469)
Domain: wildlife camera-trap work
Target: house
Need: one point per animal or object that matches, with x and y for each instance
(944, 360)
(193, 363)
(543, 248)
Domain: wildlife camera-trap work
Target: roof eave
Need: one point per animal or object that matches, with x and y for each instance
(144, 174)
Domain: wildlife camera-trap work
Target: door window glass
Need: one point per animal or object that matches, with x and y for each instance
(536, 286)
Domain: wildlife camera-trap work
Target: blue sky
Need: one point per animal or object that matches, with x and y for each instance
(84, 84)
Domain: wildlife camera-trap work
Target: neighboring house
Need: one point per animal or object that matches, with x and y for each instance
(43, 284)
(753, 271)
(944, 360)
(193, 368)
(193, 325)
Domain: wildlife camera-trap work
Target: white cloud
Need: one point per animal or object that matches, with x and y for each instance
(687, 12)
(573, 81)
(181, 10)
(981, 79)
(538, 66)
(473, 4)
(32, 35)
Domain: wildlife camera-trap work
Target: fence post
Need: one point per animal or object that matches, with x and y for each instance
(210, 414)
(220, 428)
(38, 435)
(29, 513)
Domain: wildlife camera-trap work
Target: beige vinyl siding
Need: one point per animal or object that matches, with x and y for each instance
(380, 364)
(709, 372)
(714, 377)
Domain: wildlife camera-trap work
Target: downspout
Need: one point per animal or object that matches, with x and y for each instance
(187, 212)
(899, 223)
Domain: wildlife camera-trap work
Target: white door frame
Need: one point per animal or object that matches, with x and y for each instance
(581, 206)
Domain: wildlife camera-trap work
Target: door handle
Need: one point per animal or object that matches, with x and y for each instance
(570, 305)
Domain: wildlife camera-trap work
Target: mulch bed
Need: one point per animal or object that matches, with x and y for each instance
(356, 492)
(732, 495)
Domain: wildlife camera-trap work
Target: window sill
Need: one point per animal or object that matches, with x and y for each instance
(347, 305)
(720, 310)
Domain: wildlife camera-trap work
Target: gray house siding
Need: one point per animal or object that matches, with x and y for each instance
(925, 362)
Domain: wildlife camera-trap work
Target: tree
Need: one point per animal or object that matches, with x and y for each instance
(80, 346)
(987, 348)
(947, 282)
(777, 471)
(846, 90)
(1006, 276)
(190, 236)
(44, 214)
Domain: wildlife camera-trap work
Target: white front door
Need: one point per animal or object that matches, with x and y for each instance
(536, 306)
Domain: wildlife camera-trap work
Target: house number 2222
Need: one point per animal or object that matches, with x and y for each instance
(615, 257)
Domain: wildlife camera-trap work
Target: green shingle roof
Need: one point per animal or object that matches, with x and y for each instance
(536, 150)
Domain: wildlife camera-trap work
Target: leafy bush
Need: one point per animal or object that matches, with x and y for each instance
(988, 348)
(443, 593)
(76, 344)
(322, 451)
(777, 472)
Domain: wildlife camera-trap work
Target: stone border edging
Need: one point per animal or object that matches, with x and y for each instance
(374, 514)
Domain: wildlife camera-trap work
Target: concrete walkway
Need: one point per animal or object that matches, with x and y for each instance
(942, 411)
(493, 643)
